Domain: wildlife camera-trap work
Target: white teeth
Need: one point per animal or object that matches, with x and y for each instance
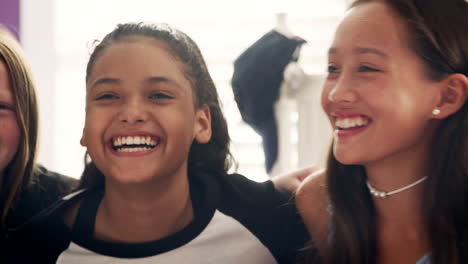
(345, 123)
(132, 149)
(136, 140)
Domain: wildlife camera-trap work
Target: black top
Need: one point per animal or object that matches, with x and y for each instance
(236, 221)
(45, 188)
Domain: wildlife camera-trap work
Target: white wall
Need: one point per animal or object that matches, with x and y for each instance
(37, 19)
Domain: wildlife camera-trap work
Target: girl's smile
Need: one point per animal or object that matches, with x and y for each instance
(349, 123)
(134, 145)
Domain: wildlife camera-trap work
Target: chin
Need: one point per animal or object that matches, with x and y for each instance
(346, 157)
(123, 177)
(131, 181)
(345, 161)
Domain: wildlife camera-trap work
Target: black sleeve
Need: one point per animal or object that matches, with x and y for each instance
(45, 188)
(44, 236)
(269, 213)
(39, 241)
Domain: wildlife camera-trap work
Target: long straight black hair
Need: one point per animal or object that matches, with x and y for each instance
(436, 32)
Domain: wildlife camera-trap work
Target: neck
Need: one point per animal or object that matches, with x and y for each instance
(399, 217)
(392, 174)
(152, 210)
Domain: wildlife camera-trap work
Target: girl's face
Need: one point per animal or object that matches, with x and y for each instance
(377, 95)
(140, 115)
(9, 130)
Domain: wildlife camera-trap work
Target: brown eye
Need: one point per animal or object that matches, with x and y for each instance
(108, 96)
(368, 69)
(332, 69)
(7, 107)
(160, 95)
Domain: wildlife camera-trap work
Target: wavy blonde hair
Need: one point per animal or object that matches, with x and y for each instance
(18, 172)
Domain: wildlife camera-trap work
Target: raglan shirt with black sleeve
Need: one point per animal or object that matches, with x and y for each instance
(236, 221)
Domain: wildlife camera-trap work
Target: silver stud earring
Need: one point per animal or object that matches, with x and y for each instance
(436, 111)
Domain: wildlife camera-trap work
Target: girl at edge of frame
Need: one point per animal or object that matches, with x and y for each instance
(395, 188)
(25, 186)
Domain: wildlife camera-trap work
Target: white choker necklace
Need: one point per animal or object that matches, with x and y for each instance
(382, 194)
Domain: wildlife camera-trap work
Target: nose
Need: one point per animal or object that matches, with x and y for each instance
(133, 112)
(343, 91)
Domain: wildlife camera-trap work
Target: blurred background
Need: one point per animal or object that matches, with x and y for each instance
(57, 36)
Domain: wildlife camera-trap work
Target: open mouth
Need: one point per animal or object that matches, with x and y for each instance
(134, 143)
(350, 123)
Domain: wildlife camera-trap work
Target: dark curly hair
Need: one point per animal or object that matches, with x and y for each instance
(215, 154)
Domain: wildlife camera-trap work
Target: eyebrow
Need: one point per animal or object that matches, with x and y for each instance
(102, 81)
(149, 80)
(361, 50)
(161, 79)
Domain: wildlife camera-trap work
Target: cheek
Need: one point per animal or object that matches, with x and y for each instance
(16, 135)
(324, 99)
(91, 131)
(10, 136)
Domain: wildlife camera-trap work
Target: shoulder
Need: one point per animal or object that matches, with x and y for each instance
(44, 236)
(312, 203)
(52, 181)
(44, 188)
(242, 198)
(48, 186)
(266, 212)
(53, 213)
(312, 191)
(251, 193)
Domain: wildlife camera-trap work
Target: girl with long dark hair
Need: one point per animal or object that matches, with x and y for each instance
(395, 188)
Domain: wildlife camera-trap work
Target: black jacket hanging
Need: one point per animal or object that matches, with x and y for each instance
(258, 74)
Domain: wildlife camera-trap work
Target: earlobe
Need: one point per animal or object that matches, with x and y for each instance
(453, 95)
(203, 125)
(83, 139)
